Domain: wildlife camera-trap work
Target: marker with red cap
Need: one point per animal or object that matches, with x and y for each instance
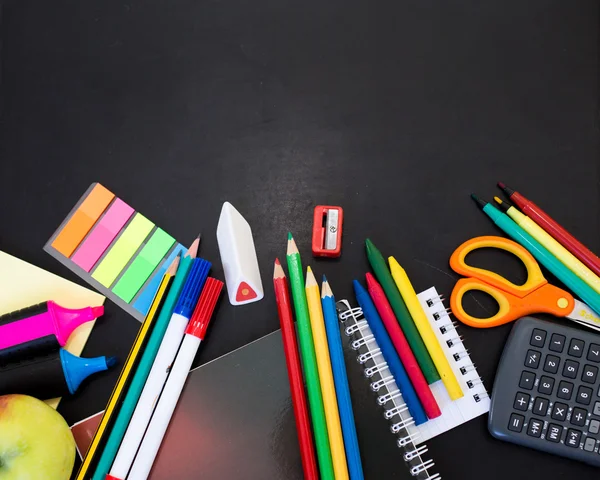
(194, 335)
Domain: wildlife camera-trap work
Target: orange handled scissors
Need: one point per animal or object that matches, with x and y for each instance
(536, 295)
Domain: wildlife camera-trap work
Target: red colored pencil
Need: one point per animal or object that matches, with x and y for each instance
(546, 222)
(292, 360)
(432, 410)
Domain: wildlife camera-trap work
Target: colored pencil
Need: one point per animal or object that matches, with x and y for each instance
(340, 378)
(382, 272)
(309, 361)
(551, 226)
(427, 334)
(115, 449)
(541, 254)
(409, 396)
(561, 253)
(332, 415)
(159, 372)
(292, 360)
(119, 391)
(403, 348)
(194, 335)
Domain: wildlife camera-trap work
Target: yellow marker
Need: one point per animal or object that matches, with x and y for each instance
(427, 334)
(136, 350)
(561, 253)
(332, 415)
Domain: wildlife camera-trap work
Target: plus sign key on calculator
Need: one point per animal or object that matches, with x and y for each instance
(546, 393)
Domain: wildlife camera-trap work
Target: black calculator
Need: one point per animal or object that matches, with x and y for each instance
(546, 393)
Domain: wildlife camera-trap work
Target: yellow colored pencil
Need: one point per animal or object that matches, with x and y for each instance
(127, 371)
(427, 334)
(332, 414)
(561, 253)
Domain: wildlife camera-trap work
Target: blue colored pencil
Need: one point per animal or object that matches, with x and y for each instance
(340, 379)
(389, 354)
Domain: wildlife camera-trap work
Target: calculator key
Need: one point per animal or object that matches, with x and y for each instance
(589, 374)
(521, 402)
(527, 380)
(538, 338)
(559, 411)
(578, 416)
(515, 424)
(554, 433)
(573, 438)
(593, 353)
(565, 390)
(535, 428)
(570, 369)
(551, 364)
(594, 426)
(597, 408)
(584, 395)
(546, 384)
(576, 348)
(532, 360)
(540, 406)
(589, 444)
(557, 343)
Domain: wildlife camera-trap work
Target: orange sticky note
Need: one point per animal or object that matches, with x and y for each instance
(82, 220)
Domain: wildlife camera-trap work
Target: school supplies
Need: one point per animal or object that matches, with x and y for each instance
(194, 335)
(332, 416)
(46, 319)
(238, 256)
(28, 285)
(115, 249)
(327, 231)
(52, 375)
(114, 402)
(545, 221)
(382, 272)
(544, 394)
(292, 358)
(416, 312)
(473, 403)
(402, 347)
(536, 295)
(309, 360)
(542, 255)
(156, 379)
(340, 378)
(555, 248)
(389, 354)
(178, 270)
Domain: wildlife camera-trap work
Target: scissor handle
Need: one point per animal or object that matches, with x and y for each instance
(535, 278)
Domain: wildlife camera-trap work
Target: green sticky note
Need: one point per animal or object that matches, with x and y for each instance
(145, 263)
(124, 248)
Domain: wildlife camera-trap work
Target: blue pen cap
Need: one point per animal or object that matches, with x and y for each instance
(77, 369)
(192, 287)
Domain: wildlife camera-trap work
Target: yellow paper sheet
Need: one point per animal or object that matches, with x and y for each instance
(23, 284)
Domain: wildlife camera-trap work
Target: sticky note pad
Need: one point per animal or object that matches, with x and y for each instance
(144, 299)
(82, 220)
(144, 264)
(124, 248)
(105, 231)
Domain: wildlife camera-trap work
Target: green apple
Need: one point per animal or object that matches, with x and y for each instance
(35, 441)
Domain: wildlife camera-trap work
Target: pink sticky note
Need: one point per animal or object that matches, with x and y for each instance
(102, 235)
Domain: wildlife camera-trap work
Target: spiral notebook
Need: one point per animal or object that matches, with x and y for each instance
(410, 437)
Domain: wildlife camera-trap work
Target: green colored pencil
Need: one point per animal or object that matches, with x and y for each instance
(379, 266)
(145, 365)
(309, 361)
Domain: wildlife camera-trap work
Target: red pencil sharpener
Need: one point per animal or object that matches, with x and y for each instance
(327, 231)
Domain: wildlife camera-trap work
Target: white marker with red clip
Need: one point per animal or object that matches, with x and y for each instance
(238, 257)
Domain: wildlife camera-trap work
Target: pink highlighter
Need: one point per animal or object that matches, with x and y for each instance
(45, 319)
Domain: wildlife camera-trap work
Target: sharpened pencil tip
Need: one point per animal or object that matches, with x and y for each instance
(278, 270)
(310, 278)
(277, 262)
(193, 250)
(172, 270)
(290, 237)
(326, 289)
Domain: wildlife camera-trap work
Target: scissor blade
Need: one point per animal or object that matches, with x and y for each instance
(585, 315)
